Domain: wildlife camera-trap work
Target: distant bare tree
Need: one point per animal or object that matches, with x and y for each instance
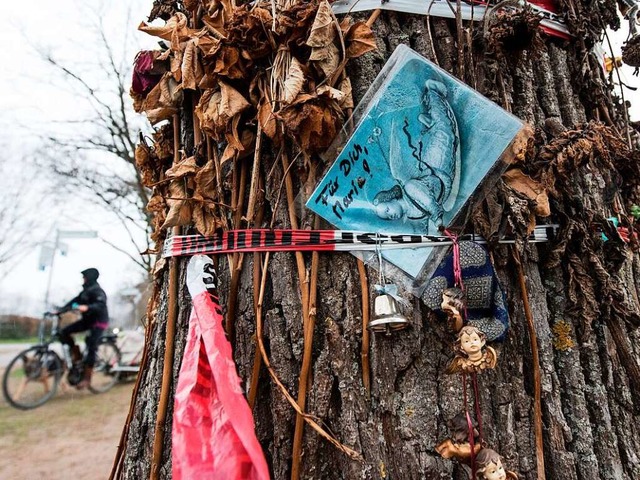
(93, 156)
(21, 229)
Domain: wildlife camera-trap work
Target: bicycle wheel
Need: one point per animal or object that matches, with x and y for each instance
(32, 377)
(104, 377)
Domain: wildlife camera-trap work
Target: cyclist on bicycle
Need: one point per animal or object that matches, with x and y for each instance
(92, 303)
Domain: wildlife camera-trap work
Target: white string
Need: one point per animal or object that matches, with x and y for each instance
(381, 279)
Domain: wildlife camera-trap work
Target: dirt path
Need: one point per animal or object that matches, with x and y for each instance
(73, 436)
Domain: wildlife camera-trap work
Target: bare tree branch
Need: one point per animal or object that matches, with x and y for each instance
(20, 226)
(113, 182)
(135, 259)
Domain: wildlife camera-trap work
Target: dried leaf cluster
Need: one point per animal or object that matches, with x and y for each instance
(631, 51)
(514, 29)
(565, 170)
(267, 68)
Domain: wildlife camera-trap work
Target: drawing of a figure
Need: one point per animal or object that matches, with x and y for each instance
(429, 178)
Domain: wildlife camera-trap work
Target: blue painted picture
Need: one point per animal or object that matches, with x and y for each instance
(423, 145)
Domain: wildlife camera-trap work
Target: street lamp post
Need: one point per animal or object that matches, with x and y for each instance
(56, 246)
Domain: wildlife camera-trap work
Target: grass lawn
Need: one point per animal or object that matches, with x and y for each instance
(74, 435)
(28, 340)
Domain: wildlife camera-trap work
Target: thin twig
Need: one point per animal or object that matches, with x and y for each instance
(373, 17)
(257, 358)
(307, 418)
(304, 290)
(257, 273)
(624, 103)
(116, 469)
(172, 314)
(279, 195)
(306, 362)
(364, 350)
(238, 259)
(537, 388)
(341, 66)
(253, 189)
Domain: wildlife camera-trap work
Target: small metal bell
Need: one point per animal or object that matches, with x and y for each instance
(387, 317)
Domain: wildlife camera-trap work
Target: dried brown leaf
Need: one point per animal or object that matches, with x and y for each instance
(205, 216)
(164, 56)
(218, 13)
(313, 124)
(158, 270)
(293, 82)
(177, 22)
(209, 81)
(205, 219)
(347, 90)
(138, 100)
(332, 93)
(175, 30)
(530, 188)
(206, 182)
(163, 142)
(208, 45)
(232, 135)
(323, 30)
(163, 9)
(235, 150)
(229, 63)
(191, 5)
(208, 112)
(217, 108)
(163, 100)
(186, 166)
(179, 206)
(359, 40)
(267, 119)
(175, 65)
(232, 102)
(326, 59)
(146, 164)
(156, 203)
(191, 68)
(249, 28)
(229, 154)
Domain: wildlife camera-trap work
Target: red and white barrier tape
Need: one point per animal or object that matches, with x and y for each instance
(264, 240)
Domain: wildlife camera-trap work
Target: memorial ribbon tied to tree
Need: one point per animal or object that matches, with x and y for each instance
(393, 240)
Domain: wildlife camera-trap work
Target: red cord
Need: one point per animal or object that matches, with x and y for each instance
(474, 379)
(457, 269)
(469, 426)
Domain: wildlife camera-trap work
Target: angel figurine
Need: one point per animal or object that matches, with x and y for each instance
(457, 445)
(489, 466)
(453, 304)
(472, 353)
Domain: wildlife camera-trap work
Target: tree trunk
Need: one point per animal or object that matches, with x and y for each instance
(583, 296)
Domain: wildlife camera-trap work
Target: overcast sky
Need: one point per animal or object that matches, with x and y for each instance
(31, 99)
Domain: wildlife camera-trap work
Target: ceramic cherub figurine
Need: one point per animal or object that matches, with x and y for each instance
(489, 466)
(458, 446)
(453, 304)
(472, 354)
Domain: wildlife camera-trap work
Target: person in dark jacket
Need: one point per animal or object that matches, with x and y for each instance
(92, 303)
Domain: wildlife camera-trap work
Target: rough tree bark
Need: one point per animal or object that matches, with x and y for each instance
(589, 392)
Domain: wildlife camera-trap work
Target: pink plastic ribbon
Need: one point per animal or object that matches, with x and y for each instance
(213, 434)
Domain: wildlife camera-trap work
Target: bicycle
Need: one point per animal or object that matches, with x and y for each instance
(25, 383)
